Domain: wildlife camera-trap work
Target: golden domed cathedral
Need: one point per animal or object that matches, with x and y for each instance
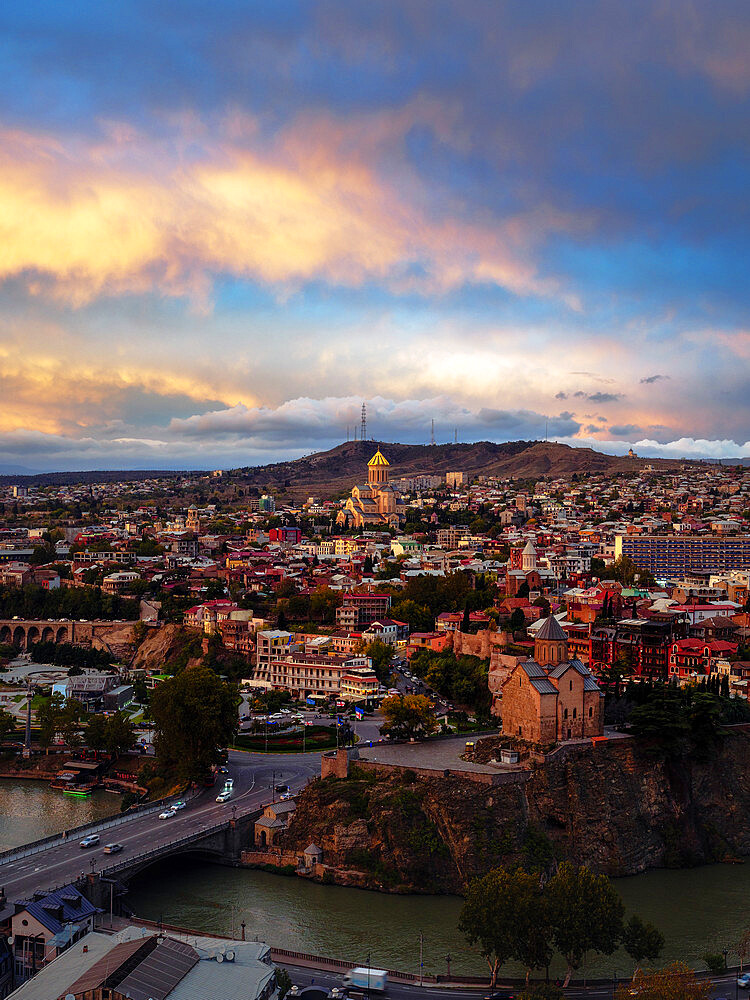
(375, 503)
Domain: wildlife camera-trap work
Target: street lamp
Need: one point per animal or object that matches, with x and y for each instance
(448, 963)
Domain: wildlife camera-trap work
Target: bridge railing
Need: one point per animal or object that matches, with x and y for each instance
(170, 845)
(55, 839)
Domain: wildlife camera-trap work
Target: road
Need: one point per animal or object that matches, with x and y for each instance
(304, 977)
(253, 776)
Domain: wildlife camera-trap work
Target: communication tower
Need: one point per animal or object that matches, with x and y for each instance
(363, 435)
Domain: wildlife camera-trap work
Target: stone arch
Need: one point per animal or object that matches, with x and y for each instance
(48, 634)
(62, 634)
(19, 637)
(6, 636)
(32, 635)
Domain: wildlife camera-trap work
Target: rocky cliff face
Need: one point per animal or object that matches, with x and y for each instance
(614, 808)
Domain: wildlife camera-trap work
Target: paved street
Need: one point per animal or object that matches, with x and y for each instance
(253, 775)
(721, 987)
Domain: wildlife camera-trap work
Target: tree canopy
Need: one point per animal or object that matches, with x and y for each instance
(195, 714)
(586, 914)
(407, 716)
(506, 913)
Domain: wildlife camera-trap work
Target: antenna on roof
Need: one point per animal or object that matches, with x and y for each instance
(432, 432)
(364, 422)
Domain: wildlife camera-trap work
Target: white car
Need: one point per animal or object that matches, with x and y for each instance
(91, 841)
(180, 804)
(224, 796)
(229, 784)
(167, 814)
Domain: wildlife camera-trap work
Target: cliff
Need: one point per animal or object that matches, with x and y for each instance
(616, 808)
(169, 646)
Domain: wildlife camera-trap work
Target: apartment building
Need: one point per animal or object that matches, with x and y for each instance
(360, 610)
(675, 555)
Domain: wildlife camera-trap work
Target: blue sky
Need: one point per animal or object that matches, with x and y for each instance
(225, 225)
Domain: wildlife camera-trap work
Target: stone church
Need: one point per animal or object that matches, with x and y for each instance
(551, 698)
(375, 503)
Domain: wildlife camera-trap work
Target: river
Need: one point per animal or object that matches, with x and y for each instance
(698, 910)
(30, 810)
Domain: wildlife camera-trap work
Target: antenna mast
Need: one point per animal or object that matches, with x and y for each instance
(432, 432)
(363, 435)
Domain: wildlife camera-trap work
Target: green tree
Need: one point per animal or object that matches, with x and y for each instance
(195, 714)
(96, 732)
(407, 717)
(505, 913)
(7, 724)
(586, 914)
(517, 620)
(381, 655)
(642, 941)
(120, 734)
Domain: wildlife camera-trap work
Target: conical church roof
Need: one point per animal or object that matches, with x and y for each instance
(378, 459)
(551, 629)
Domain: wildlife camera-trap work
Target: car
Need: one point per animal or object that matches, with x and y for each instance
(500, 995)
(743, 980)
(224, 796)
(285, 796)
(179, 804)
(223, 770)
(112, 848)
(91, 841)
(229, 783)
(282, 788)
(167, 814)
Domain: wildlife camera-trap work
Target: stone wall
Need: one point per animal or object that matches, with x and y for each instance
(335, 763)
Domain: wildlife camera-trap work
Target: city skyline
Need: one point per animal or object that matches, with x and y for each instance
(225, 227)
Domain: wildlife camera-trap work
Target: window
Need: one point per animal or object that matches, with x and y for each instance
(571, 685)
(574, 712)
(591, 712)
(565, 714)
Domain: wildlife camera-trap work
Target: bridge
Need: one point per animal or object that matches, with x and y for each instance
(101, 634)
(205, 828)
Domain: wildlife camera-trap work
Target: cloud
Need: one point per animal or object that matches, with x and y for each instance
(561, 395)
(130, 214)
(598, 397)
(625, 430)
(604, 397)
(653, 378)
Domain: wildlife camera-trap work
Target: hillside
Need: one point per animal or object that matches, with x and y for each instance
(617, 809)
(330, 472)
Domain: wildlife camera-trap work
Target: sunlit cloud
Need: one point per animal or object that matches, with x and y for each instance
(125, 214)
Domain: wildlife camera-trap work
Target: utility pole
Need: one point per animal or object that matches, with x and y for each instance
(421, 958)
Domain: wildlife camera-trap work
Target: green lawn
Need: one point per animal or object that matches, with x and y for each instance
(315, 738)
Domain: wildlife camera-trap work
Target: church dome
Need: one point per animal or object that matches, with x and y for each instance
(378, 459)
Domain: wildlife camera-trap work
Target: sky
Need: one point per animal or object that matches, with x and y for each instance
(225, 225)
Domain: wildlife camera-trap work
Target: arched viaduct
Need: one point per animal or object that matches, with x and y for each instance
(23, 633)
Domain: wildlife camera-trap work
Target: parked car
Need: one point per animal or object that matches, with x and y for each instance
(224, 796)
(112, 848)
(91, 841)
(167, 814)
